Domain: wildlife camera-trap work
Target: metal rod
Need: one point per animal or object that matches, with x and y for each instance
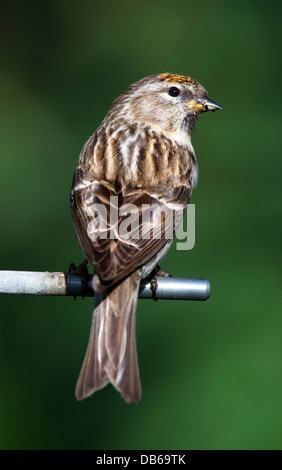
(59, 283)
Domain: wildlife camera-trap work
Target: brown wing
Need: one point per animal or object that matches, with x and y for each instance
(119, 232)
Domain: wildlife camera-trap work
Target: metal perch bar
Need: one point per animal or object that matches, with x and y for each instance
(59, 283)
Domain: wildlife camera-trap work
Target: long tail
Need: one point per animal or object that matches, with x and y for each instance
(111, 352)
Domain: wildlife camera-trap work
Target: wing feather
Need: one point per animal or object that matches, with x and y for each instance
(113, 252)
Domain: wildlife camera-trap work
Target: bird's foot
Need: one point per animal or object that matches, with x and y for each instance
(82, 271)
(153, 277)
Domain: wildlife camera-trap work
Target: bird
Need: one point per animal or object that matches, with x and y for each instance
(140, 161)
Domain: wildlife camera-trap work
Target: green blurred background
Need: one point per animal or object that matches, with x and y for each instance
(211, 371)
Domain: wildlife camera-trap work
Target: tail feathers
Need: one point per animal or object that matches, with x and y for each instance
(111, 353)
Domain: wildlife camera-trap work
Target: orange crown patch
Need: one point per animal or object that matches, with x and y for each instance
(170, 77)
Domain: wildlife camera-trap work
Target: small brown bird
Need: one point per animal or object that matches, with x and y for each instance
(139, 161)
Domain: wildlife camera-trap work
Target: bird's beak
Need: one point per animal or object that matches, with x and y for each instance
(202, 105)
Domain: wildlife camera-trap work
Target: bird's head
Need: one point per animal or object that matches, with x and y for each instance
(167, 102)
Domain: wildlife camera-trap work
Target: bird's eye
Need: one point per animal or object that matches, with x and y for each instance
(173, 91)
